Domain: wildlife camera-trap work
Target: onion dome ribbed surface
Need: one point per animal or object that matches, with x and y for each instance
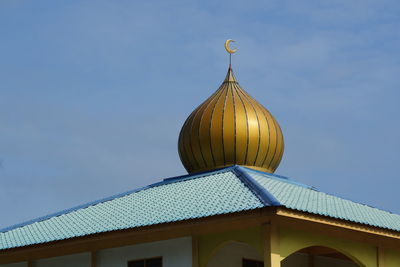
(230, 128)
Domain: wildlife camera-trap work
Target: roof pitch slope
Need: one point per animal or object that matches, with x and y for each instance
(227, 190)
(181, 198)
(297, 196)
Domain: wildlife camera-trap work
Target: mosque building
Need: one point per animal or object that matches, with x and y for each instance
(231, 210)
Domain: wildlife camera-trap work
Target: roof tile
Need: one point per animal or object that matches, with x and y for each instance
(228, 190)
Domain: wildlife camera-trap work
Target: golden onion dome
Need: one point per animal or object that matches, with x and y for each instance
(230, 128)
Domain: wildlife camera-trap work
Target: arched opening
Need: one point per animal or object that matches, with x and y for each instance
(235, 254)
(318, 256)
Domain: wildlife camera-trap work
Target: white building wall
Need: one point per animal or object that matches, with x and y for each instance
(175, 253)
(75, 260)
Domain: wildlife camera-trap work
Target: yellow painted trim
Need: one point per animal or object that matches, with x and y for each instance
(293, 240)
(337, 222)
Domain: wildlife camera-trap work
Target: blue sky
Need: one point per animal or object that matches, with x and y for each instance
(93, 93)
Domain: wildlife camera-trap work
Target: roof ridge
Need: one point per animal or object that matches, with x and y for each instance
(265, 197)
(281, 178)
(288, 180)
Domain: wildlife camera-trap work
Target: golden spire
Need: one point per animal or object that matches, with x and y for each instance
(230, 128)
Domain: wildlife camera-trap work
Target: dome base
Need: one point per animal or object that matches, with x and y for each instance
(226, 166)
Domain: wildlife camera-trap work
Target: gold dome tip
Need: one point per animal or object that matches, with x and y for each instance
(230, 128)
(229, 76)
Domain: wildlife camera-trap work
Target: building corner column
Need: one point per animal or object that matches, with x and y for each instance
(195, 251)
(380, 254)
(272, 256)
(93, 259)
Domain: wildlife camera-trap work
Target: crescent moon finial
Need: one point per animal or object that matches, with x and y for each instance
(228, 49)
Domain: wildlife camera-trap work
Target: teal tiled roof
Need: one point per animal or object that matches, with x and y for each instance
(305, 198)
(228, 190)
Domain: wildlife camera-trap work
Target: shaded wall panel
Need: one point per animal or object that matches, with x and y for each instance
(175, 253)
(75, 260)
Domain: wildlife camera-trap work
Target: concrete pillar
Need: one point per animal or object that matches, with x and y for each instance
(93, 259)
(380, 256)
(272, 257)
